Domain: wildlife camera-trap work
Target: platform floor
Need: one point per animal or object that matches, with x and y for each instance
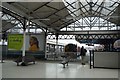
(53, 69)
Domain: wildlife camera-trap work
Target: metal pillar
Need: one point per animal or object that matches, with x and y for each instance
(24, 41)
(56, 51)
(57, 42)
(2, 51)
(45, 45)
(3, 48)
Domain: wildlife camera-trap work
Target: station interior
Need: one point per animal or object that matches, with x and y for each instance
(44, 39)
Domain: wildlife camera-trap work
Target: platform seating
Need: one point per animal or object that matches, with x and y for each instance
(65, 62)
(29, 57)
(25, 60)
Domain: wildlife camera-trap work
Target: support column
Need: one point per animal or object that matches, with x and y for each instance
(57, 42)
(24, 42)
(3, 47)
(56, 51)
(45, 45)
(3, 50)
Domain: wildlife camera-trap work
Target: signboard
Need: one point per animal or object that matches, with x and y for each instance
(15, 41)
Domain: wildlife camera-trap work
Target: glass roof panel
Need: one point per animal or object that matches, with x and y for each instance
(95, 24)
(103, 7)
(106, 7)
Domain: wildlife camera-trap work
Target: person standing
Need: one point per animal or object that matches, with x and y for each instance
(83, 54)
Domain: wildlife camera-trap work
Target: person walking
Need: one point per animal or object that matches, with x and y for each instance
(83, 54)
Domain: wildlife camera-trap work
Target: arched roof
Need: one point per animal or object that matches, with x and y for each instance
(55, 15)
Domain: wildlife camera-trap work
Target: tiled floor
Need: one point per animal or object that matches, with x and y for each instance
(48, 69)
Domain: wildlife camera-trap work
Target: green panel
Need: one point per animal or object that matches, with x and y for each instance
(15, 41)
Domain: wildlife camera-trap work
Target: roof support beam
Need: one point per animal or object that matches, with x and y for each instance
(68, 15)
(40, 6)
(58, 10)
(89, 32)
(12, 8)
(72, 13)
(88, 26)
(103, 7)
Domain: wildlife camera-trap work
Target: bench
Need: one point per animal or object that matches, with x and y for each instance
(64, 62)
(29, 56)
(25, 60)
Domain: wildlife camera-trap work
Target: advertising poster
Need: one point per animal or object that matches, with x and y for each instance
(33, 42)
(15, 41)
